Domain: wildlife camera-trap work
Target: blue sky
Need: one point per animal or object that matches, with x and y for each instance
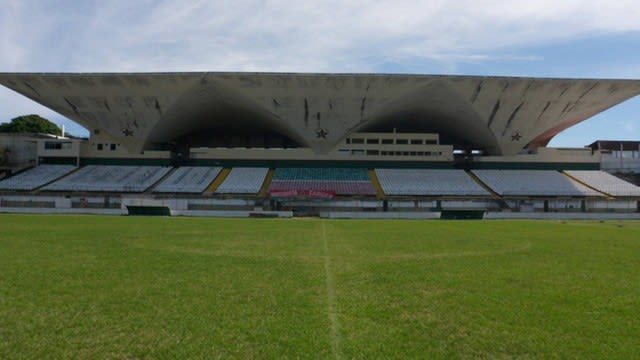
(569, 38)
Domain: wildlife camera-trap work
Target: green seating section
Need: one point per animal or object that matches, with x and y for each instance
(340, 174)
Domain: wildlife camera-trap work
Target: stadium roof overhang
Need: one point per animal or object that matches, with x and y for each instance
(501, 115)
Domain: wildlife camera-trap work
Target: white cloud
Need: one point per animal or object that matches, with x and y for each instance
(279, 35)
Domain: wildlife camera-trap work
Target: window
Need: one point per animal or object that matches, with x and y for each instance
(357, 141)
(431, 142)
(113, 147)
(357, 152)
(99, 146)
(348, 140)
(50, 145)
(96, 131)
(373, 152)
(373, 141)
(416, 141)
(387, 141)
(402, 141)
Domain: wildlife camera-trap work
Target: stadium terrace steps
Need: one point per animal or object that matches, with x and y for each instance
(494, 194)
(243, 180)
(153, 187)
(264, 190)
(602, 193)
(376, 183)
(532, 183)
(341, 181)
(36, 177)
(604, 182)
(496, 197)
(188, 179)
(217, 181)
(110, 178)
(428, 182)
(321, 174)
(331, 186)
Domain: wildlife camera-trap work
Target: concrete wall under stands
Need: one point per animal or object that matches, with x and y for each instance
(54, 211)
(231, 213)
(561, 216)
(379, 215)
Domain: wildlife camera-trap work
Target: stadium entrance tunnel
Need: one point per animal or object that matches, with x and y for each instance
(214, 115)
(148, 210)
(462, 214)
(434, 108)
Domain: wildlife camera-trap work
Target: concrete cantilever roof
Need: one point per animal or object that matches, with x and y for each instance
(500, 114)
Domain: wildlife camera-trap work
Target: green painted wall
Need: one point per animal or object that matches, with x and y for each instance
(125, 161)
(58, 160)
(332, 164)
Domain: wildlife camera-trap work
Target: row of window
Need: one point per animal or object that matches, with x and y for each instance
(627, 154)
(392, 141)
(111, 147)
(51, 145)
(390, 153)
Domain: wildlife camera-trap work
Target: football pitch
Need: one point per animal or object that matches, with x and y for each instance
(140, 287)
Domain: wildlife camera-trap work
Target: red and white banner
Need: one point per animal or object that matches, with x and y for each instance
(319, 193)
(324, 194)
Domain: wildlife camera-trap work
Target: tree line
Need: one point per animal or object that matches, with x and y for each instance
(30, 124)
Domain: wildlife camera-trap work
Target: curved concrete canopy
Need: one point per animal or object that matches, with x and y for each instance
(211, 105)
(500, 114)
(433, 108)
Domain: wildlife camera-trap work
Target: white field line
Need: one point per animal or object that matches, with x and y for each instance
(331, 299)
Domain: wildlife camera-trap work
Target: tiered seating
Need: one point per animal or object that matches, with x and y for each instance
(347, 181)
(605, 182)
(188, 179)
(428, 182)
(110, 178)
(532, 183)
(36, 177)
(243, 180)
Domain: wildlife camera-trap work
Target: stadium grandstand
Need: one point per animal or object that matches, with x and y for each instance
(331, 145)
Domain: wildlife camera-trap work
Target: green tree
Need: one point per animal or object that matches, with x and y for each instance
(30, 124)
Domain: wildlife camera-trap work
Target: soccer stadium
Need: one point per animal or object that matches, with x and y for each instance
(299, 215)
(328, 145)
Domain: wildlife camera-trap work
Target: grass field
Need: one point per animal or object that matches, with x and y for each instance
(135, 287)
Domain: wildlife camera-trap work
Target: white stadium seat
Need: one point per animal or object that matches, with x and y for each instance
(605, 182)
(188, 179)
(428, 182)
(36, 177)
(243, 180)
(110, 178)
(532, 183)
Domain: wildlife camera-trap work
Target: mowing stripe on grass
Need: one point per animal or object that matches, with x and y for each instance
(331, 298)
